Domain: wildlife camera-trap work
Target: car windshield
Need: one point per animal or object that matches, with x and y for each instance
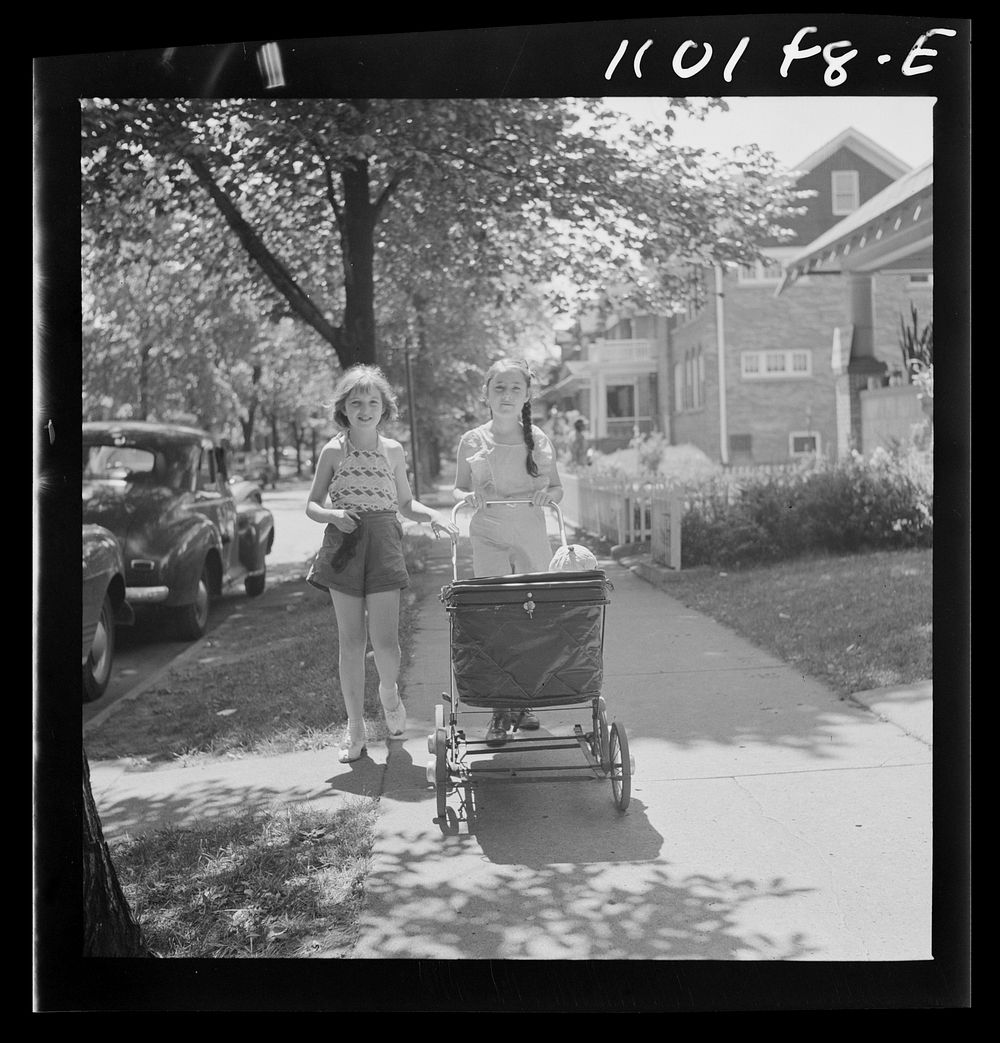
(166, 467)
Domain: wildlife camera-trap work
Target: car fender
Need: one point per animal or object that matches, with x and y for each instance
(200, 542)
(255, 525)
(103, 576)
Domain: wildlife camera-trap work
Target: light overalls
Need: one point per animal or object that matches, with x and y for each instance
(511, 537)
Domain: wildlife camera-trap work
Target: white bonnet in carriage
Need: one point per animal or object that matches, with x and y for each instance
(572, 558)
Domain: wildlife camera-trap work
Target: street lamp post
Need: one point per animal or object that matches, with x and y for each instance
(413, 420)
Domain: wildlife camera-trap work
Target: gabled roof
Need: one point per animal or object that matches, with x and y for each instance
(896, 223)
(860, 143)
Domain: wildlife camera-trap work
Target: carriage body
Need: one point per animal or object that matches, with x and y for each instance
(528, 640)
(534, 640)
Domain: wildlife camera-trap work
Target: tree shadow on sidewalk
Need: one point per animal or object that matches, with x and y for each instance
(556, 908)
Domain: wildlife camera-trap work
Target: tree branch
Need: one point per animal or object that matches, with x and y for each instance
(269, 264)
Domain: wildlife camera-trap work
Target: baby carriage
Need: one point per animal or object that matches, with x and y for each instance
(518, 641)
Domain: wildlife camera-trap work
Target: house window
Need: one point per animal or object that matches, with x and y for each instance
(741, 445)
(845, 190)
(920, 281)
(620, 406)
(803, 443)
(621, 402)
(689, 380)
(767, 272)
(775, 365)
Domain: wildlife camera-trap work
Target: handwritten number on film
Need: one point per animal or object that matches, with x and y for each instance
(836, 55)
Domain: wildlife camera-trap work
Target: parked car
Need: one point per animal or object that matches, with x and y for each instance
(105, 607)
(250, 466)
(244, 490)
(164, 491)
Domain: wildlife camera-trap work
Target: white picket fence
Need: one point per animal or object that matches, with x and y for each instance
(627, 512)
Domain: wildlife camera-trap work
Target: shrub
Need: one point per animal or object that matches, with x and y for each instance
(884, 502)
(651, 456)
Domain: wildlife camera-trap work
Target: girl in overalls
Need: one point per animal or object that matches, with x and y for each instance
(359, 487)
(508, 458)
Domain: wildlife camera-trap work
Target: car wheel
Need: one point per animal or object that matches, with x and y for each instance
(254, 585)
(97, 669)
(192, 620)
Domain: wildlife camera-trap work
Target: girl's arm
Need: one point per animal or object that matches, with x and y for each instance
(463, 478)
(408, 506)
(329, 458)
(553, 492)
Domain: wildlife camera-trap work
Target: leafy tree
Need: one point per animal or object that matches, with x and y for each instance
(161, 338)
(295, 386)
(376, 223)
(510, 185)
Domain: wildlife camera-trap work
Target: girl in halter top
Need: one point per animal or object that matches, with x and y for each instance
(359, 489)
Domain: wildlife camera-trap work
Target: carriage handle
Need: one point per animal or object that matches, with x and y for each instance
(462, 503)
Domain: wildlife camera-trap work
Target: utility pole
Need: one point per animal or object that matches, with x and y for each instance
(720, 332)
(414, 450)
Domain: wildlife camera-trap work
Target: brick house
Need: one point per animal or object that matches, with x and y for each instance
(755, 375)
(887, 241)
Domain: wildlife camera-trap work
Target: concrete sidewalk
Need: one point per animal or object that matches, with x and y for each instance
(769, 820)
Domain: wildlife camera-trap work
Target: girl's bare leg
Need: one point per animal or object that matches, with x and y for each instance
(353, 641)
(383, 627)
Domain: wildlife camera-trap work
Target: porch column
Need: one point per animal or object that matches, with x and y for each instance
(863, 365)
(600, 405)
(861, 308)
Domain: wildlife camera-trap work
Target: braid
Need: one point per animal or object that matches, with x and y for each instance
(529, 438)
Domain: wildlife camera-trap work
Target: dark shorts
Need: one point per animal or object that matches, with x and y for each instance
(366, 561)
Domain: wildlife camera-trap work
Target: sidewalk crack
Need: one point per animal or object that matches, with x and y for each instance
(805, 842)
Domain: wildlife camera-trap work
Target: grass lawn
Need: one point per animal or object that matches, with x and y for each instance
(283, 883)
(855, 622)
(263, 683)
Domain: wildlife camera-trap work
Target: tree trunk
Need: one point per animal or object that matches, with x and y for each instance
(248, 424)
(109, 928)
(144, 353)
(275, 443)
(357, 237)
(428, 465)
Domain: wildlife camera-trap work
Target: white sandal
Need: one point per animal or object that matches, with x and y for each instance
(352, 749)
(395, 719)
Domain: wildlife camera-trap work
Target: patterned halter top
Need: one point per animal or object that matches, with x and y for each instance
(364, 481)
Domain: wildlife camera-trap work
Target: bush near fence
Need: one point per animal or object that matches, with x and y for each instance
(748, 516)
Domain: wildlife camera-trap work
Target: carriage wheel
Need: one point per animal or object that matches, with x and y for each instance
(621, 766)
(599, 736)
(441, 772)
(602, 724)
